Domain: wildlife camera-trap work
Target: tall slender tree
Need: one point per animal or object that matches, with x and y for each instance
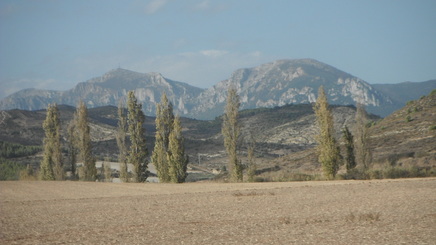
(363, 152)
(84, 142)
(251, 168)
(231, 132)
(328, 151)
(350, 159)
(121, 142)
(178, 160)
(138, 152)
(72, 143)
(164, 126)
(51, 165)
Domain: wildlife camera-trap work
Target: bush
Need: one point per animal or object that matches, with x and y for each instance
(9, 170)
(376, 174)
(356, 173)
(395, 173)
(28, 174)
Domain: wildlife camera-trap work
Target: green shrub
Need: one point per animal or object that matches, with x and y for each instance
(9, 170)
(433, 127)
(395, 173)
(356, 173)
(375, 174)
(409, 118)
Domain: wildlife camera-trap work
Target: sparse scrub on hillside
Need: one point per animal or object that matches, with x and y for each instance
(11, 150)
(390, 172)
(286, 176)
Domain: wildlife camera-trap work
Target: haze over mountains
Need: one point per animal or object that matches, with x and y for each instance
(273, 84)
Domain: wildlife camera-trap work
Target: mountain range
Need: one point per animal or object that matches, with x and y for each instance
(273, 84)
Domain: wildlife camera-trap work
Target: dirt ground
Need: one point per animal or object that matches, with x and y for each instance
(335, 212)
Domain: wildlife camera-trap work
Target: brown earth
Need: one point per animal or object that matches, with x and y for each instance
(401, 211)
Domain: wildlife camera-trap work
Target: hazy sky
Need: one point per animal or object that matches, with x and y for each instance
(54, 44)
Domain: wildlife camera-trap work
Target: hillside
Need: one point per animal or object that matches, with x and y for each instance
(404, 139)
(285, 136)
(408, 136)
(278, 131)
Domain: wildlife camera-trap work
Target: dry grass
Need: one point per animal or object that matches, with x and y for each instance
(337, 212)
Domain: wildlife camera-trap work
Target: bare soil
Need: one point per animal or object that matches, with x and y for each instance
(334, 212)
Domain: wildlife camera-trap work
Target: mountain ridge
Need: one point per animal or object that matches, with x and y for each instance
(271, 84)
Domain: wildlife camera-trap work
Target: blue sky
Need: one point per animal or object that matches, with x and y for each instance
(55, 44)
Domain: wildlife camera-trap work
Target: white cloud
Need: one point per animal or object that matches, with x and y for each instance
(203, 5)
(206, 5)
(154, 6)
(214, 53)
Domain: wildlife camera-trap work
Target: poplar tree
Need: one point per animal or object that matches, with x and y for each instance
(231, 133)
(328, 151)
(72, 143)
(164, 126)
(84, 142)
(350, 159)
(51, 166)
(363, 152)
(121, 142)
(178, 160)
(138, 149)
(251, 170)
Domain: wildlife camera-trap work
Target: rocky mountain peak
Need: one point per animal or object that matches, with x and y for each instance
(272, 84)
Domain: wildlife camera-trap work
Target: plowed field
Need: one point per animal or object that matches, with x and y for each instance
(335, 212)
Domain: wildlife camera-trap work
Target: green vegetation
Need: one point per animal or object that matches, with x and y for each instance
(390, 172)
(362, 149)
(52, 165)
(138, 152)
(328, 150)
(178, 160)
(169, 155)
(350, 159)
(12, 150)
(231, 133)
(9, 170)
(164, 126)
(121, 142)
(89, 171)
(251, 168)
(72, 146)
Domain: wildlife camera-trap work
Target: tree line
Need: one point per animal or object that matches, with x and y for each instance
(168, 156)
(357, 151)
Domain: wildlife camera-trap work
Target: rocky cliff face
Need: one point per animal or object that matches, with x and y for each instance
(289, 82)
(108, 90)
(273, 84)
